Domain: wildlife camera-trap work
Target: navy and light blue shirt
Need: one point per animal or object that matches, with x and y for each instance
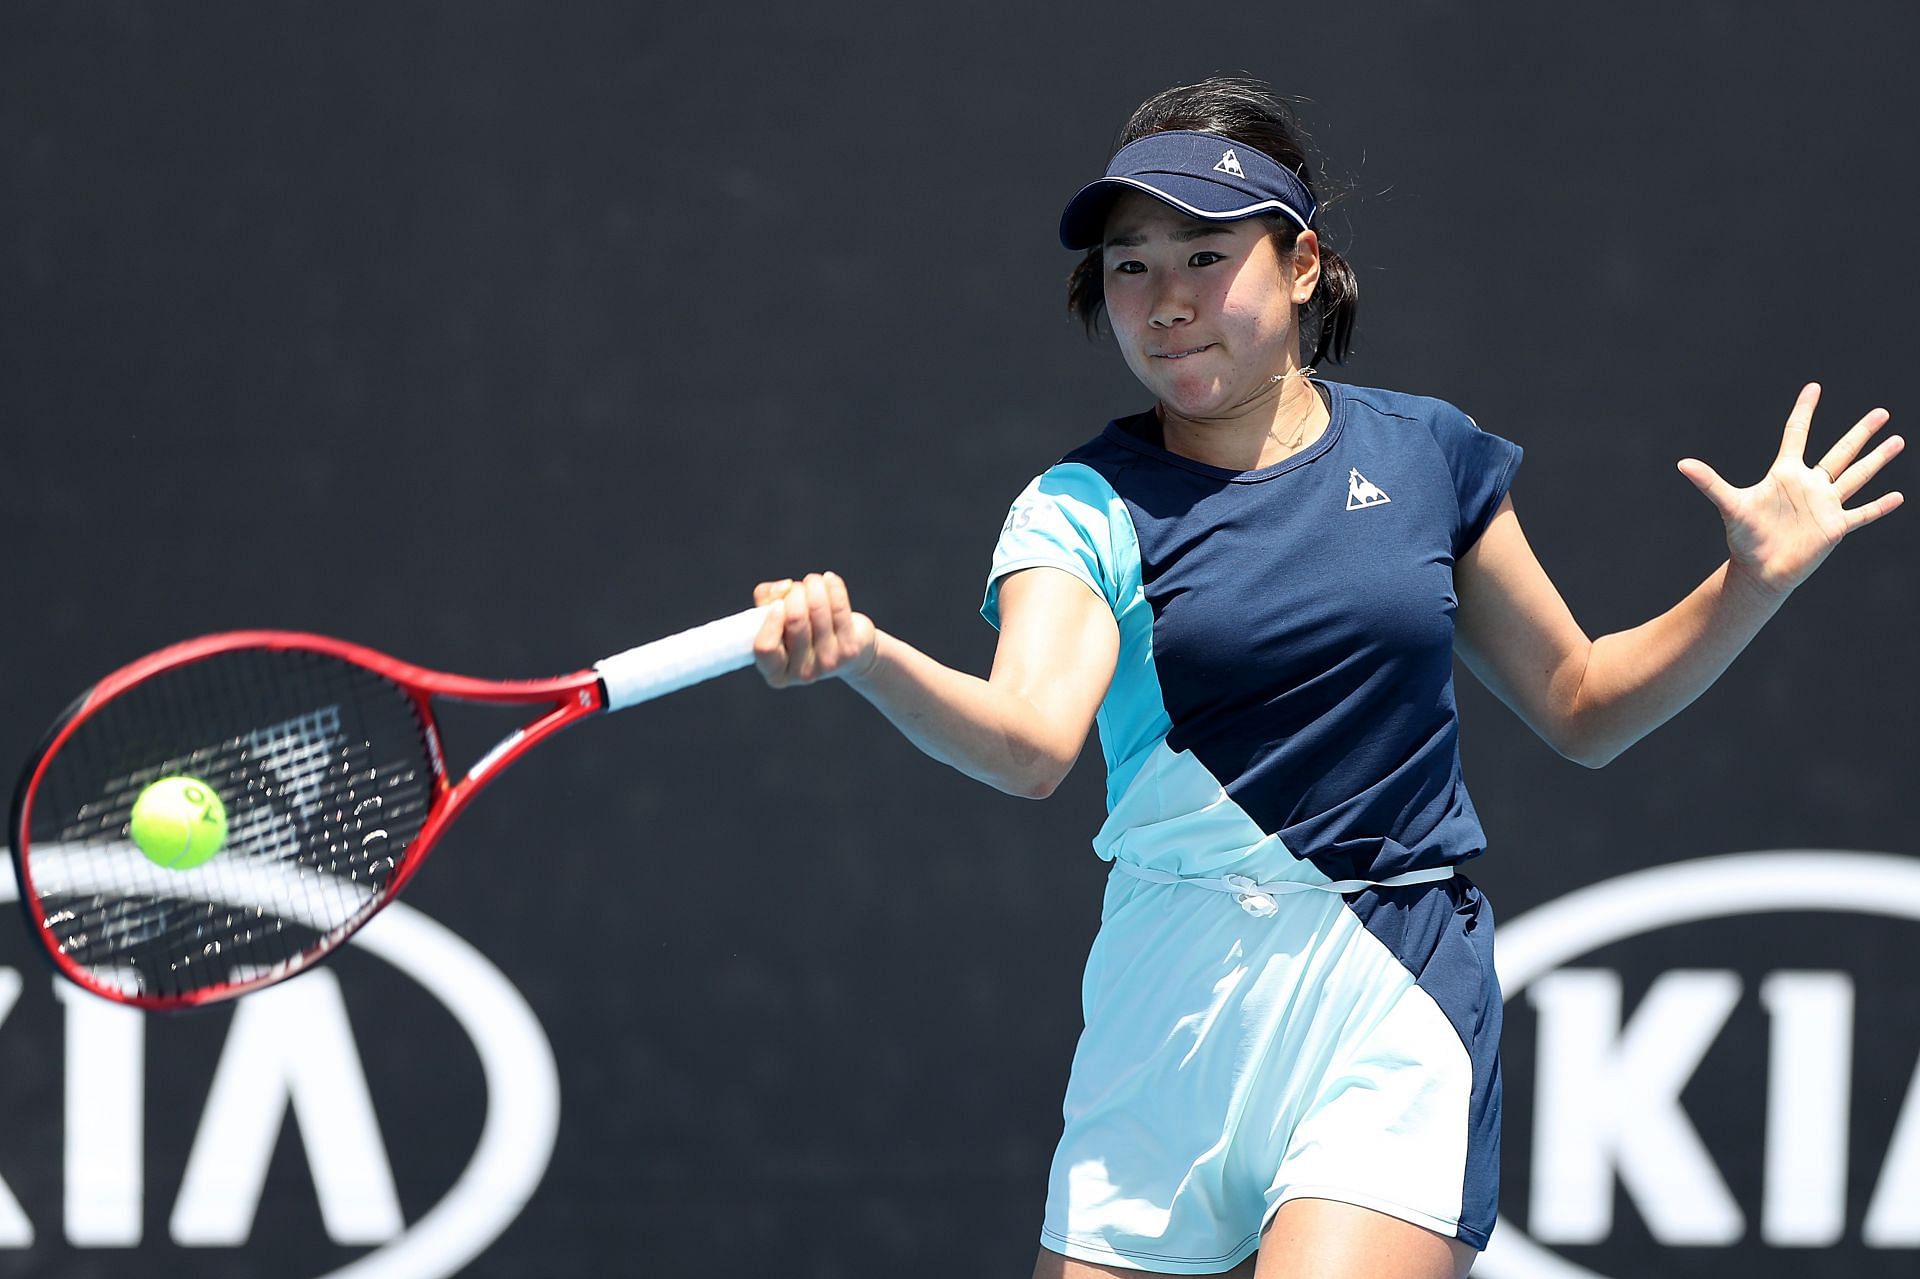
(1283, 703)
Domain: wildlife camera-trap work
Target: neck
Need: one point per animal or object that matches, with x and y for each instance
(1272, 425)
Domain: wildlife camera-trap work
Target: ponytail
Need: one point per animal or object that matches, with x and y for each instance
(1334, 306)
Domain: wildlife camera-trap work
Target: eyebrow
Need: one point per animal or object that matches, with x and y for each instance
(1195, 232)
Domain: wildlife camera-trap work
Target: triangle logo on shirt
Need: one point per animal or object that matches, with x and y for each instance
(1362, 491)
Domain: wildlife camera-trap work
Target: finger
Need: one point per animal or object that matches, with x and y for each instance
(847, 624)
(769, 647)
(1793, 440)
(826, 645)
(798, 633)
(1847, 447)
(842, 605)
(1708, 481)
(1855, 477)
(1885, 504)
(766, 592)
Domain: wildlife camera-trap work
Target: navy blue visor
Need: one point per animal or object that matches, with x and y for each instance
(1201, 174)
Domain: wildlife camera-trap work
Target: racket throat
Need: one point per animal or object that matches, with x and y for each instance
(501, 750)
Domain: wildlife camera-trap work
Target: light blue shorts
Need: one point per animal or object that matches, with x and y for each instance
(1339, 1047)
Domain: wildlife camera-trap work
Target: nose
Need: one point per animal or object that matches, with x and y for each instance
(1172, 304)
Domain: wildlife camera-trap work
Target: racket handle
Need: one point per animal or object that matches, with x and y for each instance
(676, 661)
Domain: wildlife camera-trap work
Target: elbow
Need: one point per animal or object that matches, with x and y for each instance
(1035, 775)
(1590, 758)
(1585, 749)
(1032, 763)
(1034, 783)
(1575, 734)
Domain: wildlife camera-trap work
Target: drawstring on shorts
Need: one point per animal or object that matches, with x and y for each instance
(1257, 899)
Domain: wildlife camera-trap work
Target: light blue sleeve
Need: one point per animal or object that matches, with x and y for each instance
(1063, 520)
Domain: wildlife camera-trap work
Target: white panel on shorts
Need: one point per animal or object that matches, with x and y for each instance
(1231, 1062)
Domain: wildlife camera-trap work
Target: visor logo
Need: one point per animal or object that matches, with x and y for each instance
(1229, 163)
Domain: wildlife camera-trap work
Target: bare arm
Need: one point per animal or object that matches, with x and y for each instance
(1019, 730)
(1591, 699)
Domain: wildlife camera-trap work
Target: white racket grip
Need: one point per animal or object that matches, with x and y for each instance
(672, 663)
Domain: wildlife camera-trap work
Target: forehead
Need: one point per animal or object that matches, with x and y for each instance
(1137, 218)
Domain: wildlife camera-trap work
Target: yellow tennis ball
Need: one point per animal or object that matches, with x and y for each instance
(178, 822)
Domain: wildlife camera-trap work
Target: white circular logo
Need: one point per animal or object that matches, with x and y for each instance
(516, 1137)
(1534, 945)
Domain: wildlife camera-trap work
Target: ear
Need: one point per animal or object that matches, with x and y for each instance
(1306, 267)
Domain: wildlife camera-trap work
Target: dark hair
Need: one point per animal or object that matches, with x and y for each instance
(1247, 112)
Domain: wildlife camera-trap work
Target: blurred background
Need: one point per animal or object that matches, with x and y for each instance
(504, 336)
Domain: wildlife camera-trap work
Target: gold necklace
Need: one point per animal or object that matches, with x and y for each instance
(1160, 411)
(1301, 433)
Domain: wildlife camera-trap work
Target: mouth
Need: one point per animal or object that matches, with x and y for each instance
(1181, 355)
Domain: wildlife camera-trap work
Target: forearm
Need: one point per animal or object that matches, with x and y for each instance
(1591, 699)
(990, 733)
(1638, 679)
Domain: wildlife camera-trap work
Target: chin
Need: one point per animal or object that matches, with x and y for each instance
(1210, 403)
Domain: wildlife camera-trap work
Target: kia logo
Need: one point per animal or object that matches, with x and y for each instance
(291, 1048)
(1606, 1103)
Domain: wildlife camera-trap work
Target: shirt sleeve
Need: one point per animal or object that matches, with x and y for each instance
(1482, 466)
(1062, 520)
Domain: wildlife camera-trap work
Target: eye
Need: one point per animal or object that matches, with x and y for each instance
(1211, 257)
(1129, 267)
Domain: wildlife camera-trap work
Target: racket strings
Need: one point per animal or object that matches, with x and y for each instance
(349, 875)
(326, 777)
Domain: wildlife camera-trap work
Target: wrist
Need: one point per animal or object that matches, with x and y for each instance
(859, 678)
(1753, 590)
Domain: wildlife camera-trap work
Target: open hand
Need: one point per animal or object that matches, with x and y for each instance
(1780, 529)
(812, 633)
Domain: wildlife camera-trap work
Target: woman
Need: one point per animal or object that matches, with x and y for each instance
(1256, 588)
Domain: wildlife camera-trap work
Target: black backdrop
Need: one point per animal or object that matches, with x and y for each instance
(503, 336)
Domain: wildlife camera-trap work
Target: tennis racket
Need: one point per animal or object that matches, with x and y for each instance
(326, 759)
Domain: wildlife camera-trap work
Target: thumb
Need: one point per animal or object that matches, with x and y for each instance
(1707, 480)
(769, 653)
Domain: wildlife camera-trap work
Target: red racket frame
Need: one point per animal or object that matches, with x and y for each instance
(571, 697)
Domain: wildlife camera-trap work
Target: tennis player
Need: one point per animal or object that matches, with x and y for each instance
(1256, 588)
